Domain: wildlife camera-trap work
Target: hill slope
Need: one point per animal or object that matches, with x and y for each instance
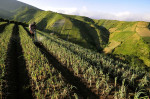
(130, 39)
(67, 27)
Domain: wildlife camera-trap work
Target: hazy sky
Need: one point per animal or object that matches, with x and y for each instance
(129, 10)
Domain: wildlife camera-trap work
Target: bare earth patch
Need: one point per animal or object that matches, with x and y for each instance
(142, 29)
(112, 30)
(145, 32)
(111, 46)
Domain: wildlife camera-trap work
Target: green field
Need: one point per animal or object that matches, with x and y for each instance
(55, 68)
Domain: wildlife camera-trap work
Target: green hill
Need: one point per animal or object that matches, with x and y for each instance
(127, 39)
(80, 30)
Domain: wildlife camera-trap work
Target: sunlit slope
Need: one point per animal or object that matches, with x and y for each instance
(128, 38)
(111, 36)
(80, 30)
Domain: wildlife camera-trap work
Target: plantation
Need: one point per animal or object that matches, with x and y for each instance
(55, 69)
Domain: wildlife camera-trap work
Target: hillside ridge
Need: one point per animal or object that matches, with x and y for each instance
(111, 36)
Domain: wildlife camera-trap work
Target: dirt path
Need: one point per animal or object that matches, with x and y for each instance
(17, 81)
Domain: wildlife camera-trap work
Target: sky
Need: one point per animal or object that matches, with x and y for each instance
(124, 10)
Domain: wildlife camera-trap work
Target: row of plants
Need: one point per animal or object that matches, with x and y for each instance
(4, 40)
(92, 56)
(95, 79)
(46, 81)
(81, 60)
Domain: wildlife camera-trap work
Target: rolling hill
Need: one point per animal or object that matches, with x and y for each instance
(128, 39)
(71, 28)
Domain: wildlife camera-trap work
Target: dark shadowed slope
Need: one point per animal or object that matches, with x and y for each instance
(9, 7)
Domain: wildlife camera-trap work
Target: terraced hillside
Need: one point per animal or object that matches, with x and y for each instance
(55, 68)
(128, 38)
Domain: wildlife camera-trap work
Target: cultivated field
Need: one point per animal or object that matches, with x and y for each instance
(56, 69)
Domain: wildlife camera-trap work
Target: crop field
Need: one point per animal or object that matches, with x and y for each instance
(53, 68)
